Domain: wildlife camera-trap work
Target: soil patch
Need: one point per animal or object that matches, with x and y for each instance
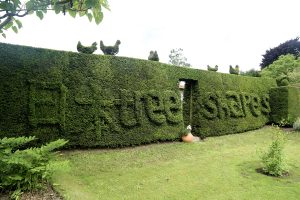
(47, 194)
(261, 171)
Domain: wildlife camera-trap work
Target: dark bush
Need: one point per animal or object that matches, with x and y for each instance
(289, 47)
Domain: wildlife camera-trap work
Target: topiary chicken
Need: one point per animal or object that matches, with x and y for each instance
(153, 56)
(87, 50)
(110, 50)
(213, 69)
(235, 70)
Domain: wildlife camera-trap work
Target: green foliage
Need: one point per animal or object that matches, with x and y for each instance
(284, 102)
(177, 58)
(10, 10)
(251, 72)
(274, 159)
(286, 70)
(294, 76)
(109, 101)
(282, 80)
(282, 69)
(296, 125)
(289, 47)
(24, 169)
(284, 122)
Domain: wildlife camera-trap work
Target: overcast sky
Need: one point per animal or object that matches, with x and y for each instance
(211, 32)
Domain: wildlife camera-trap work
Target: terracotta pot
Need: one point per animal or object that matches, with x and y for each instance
(187, 138)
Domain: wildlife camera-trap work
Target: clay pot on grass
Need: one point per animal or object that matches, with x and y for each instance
(187, 138)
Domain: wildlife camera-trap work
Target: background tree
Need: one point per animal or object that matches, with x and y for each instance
(289, 47)
(177, 58)
(12, 10)
(287, 67)
(251, 72)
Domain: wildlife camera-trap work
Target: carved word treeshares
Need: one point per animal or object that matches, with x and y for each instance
(234, 104)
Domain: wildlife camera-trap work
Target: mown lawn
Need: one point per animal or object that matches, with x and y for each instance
(218, 168)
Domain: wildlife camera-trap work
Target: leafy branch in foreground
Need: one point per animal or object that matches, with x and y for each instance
(26, 169)
(11, 10)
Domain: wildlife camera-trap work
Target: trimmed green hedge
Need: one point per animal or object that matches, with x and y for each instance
(224, 103)
(107, 101)
(285, 101)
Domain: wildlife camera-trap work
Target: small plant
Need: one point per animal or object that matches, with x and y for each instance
(24, 169)
(285, 122)
(296, 125)
(273, 160)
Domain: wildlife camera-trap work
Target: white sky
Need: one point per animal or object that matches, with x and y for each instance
(222, 32)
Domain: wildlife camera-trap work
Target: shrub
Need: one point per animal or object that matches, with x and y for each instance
(294, 76)
(296, 125)
(28, 168)
(282, 66)
(273, 160)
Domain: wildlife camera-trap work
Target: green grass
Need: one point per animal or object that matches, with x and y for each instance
(218, 168)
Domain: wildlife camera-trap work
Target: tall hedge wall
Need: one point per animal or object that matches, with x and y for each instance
(224, 103)
(95, 100)
(285, 101)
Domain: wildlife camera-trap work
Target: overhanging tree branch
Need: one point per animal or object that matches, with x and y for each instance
(13, 9)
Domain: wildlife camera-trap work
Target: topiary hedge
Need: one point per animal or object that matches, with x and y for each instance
(285, 101)
(108, 101)
(224, 103)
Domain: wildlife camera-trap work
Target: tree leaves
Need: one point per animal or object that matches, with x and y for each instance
(19, 24)
(17, 8)
(90, 16)
(289, 47)
(104, 3)
(98, 15)
(39, 14)
(90, 3)
(82, 13)
(72, 13)
(57, 8)
(15, 29)
(3, 34)
(99, 18)
(8, 25)
(29, 5)
(177, 58)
